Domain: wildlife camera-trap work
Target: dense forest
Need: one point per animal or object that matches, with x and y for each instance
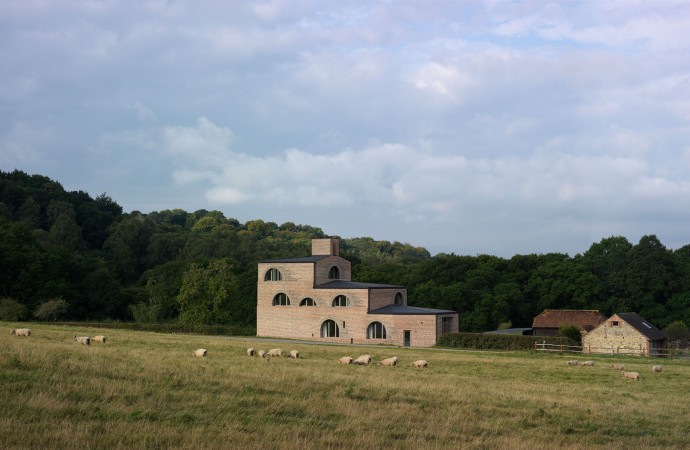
(68, 256)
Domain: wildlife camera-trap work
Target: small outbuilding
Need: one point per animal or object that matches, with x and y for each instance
(549, 322)
(625, 333)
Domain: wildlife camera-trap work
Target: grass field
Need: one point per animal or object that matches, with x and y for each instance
(146, 390)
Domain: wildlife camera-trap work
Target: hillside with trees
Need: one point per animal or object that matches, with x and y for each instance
(68, 256)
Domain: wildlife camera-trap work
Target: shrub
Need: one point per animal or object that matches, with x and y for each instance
(677, 331)
(572, 333)
(480, 341)
(52, 310)
(11, 310)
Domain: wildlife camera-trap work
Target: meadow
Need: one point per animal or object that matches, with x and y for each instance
(146, 390)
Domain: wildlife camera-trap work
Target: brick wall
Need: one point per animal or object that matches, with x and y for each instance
(301, 280)
(378, 298)
(323, 266)
(325, 247)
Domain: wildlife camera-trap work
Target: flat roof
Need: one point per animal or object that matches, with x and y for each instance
(410, 310)
(343, 284)
(306, 259)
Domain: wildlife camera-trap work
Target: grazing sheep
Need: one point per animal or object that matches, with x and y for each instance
(251, 351)
(200, 353)
(573, 362)
(262, 353)
(362, 360)
(618, 366)
(656, 368)
(389, 361)
(21, 332)
(83, 340)
(345, 360)
(100, 339)
(275, 352)
(588, 363)
(294, 354)
(632, 375)
(419, 363)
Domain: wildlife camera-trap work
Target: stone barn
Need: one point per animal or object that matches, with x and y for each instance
(625, 333)
(314, 298)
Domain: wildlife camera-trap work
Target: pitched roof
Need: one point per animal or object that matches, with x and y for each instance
(343, 284)
(641, 325)
(402, 309)
(586, 319)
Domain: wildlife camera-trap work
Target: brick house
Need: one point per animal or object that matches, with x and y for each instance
(625, 333)
(314, 298)
(549, 322)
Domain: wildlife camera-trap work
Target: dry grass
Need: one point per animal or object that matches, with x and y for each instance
(146, 390)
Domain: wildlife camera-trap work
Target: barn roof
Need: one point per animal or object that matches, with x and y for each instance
(585, 319)
(641, 325)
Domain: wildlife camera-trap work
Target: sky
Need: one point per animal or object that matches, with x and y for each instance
(470, 127)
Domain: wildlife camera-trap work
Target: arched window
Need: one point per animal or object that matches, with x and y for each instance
(273, 275)
(341, 300)
(376, 330)
(334, 273)
(398, 299)
(329, 329)
(307, 302)
(281, 300)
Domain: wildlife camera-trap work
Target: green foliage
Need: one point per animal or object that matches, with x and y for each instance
(12, 311)
(52, 310)
(677, 330)
(55, 243)
(482, 341)
(572, 333)
(208, 293)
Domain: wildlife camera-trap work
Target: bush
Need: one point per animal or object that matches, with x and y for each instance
(677, 331)
(480, 341)
(12, 311)
(52, 310)
(572, 333)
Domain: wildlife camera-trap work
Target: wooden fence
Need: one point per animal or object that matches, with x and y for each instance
(561, 348)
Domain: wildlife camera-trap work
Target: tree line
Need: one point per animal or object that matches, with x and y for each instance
(68, 256)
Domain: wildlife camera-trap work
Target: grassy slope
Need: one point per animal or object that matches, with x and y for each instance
(145, 390)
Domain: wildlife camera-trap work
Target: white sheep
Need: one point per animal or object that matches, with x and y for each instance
(200, 353)
(345, 360)
(657, 368)
(100, 339)
(632, 375)
(588, 363)
(573, 362)
(275, 352)
(419, 363)
(262, 353)
(251, 351)
(85, 340)
(362, 360)
(618, 366)
(21, 332)
(389, 361)
(294, 354)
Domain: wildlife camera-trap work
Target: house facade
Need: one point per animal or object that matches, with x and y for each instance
(625, 333)
(314, 298)
(549, 322)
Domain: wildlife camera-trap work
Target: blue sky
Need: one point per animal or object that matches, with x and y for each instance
(473, 127)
